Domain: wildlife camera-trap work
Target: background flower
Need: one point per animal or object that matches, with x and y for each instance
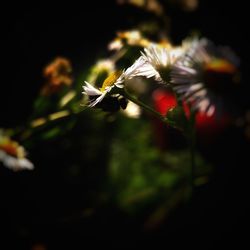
(12, 155)
(203, 75)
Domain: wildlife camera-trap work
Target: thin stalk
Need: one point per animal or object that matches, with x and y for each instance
(26, 131)
(192, 150)
(146, 107)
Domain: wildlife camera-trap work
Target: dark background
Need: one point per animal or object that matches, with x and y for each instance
(32, 34)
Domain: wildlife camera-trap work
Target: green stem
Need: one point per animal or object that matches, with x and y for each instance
(192, 150)
(146, 107)
(26, 131)
(190, 135)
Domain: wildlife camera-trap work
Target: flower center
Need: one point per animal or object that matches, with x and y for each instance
(165, 73)
(110, 80)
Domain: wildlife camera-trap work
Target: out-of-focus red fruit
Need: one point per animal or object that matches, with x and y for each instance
(163, 101)
(207, 127)
(212, 125)
(165, 136)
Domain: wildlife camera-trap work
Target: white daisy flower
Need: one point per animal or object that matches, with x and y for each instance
(141, 67)
(193, 76)
(146, 65)
(12, 155)
(117, 80)
(95, 95)
(15, 164)
(160, 59)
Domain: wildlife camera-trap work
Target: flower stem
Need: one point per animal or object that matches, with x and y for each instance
(146, 107)
(192, 150)
(28, 130)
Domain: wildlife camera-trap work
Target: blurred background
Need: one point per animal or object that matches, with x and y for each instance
(111, 180)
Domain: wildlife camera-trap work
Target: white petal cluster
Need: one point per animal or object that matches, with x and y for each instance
(14, 163)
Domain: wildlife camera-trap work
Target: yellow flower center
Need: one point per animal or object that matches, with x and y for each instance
(110, 80)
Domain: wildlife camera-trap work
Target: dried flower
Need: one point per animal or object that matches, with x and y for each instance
(57, 74)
